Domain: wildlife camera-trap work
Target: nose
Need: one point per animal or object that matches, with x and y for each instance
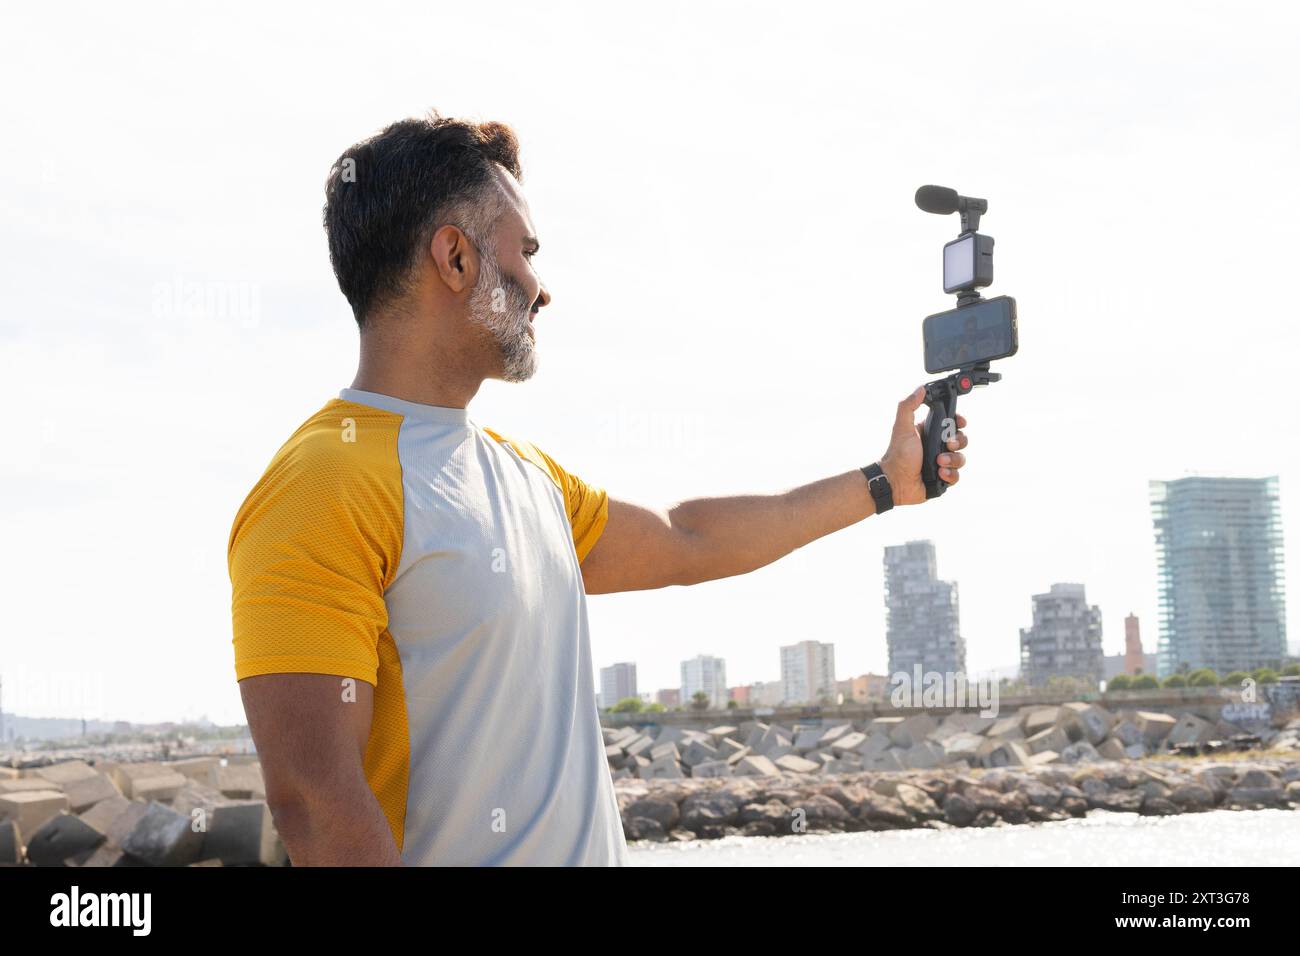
(543, 298)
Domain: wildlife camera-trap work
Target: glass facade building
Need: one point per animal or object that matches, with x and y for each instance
(1222, 596)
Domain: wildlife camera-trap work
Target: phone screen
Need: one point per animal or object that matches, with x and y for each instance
(969, 335)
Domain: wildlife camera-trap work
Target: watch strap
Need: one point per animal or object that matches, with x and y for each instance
(881, 491)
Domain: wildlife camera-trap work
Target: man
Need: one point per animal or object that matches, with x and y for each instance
(410, 619)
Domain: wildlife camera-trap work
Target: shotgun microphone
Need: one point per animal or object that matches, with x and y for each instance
(939, 200)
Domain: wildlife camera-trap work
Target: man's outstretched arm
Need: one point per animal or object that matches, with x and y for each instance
(708, 538)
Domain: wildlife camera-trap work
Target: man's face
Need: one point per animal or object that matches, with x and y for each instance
(509, 293)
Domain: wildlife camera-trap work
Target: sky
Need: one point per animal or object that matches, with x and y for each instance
(723, 192)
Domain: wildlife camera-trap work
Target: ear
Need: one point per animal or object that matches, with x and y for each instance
(455, 258)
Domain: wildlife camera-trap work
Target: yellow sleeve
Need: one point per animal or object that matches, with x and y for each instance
(587, 505)
(314, 547)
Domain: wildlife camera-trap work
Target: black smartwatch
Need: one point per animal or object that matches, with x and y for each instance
(881, 493)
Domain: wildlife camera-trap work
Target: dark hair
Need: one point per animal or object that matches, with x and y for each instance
(387, 195)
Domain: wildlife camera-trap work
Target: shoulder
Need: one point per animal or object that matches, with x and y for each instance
(340, 467)
(342, 445)
(352, 439)
(586, 504)
(531, 453)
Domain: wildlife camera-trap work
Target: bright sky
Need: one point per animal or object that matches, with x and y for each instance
(724, 198)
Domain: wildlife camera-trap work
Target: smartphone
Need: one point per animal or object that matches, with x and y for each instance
(970, 334)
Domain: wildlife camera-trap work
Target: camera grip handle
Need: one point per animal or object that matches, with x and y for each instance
(941, 397)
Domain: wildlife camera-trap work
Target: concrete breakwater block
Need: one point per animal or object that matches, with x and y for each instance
(202, 770)
(1190, 729)
(1039, 719)
(242, 833)
(62, 838)
(1154, 727)
(11, 844)
(1004, 753)
(1050, 737)
(756, 765)
(29, 809)
(163, 837)
(66, 772)
(712, 768)
(84, 792)
(911, 731)
(115, 817)
(795, 764)
(1096, 721)
(241, 781)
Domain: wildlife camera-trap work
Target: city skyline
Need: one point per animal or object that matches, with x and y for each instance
(915, 562)
(912, 561)
(1066, 636)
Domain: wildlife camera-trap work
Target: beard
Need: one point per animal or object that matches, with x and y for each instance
(500, 305)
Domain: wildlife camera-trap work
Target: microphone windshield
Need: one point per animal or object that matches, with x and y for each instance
(937, 199)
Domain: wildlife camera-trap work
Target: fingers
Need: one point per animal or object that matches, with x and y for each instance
(949, 465)
(951, 461)
(905, 422)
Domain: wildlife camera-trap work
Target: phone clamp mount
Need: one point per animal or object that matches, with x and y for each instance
(941, 423)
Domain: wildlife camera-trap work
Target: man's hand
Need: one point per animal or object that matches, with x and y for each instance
(902, 460)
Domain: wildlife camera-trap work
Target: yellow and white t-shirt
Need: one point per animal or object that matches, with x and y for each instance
(406, 546)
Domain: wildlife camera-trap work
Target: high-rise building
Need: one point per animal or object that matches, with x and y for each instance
(922, 622)
(1134, 659)
(616, 682)
(708, 674)
(808, 672)
(1065, 639)
(1219, 569)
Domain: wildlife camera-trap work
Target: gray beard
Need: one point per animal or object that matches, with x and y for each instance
(500, 305)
